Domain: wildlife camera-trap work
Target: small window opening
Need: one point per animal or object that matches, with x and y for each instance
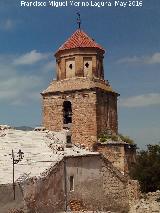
(71, 66)
(69, 139)
(87, 64)
(71, 180)
(67, 112)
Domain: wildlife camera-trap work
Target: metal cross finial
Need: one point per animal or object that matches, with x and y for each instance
(79, 20)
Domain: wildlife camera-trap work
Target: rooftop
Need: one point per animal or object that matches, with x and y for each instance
(42, 150)
(79, 39)
(77, 83)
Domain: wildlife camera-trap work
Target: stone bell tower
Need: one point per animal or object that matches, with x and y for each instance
(80, 99)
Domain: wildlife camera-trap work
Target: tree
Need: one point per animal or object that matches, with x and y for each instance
(147, 168)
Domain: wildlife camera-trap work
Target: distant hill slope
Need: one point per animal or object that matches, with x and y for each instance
(24, 128)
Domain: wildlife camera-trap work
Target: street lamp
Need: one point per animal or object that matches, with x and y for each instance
(20, 156)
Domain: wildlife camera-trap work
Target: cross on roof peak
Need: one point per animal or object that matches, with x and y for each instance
(79, 20)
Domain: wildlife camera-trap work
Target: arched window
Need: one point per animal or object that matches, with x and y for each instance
(67, 112)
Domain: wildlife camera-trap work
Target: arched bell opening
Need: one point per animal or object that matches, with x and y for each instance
(67, 112)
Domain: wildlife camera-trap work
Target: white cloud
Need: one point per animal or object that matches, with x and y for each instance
(133, 59)
(30, 58)
(19, 88)
(141, 100)
(21, 85)
(7, 25)
(49, 66)
(152, 59)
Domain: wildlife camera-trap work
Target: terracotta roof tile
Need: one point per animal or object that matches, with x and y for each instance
(79, 39)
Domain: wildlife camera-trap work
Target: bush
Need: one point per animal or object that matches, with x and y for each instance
(105, 137)
(147, 169)
(114, 137)
(126, 139)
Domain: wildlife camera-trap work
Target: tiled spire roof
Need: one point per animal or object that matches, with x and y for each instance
(79, 39)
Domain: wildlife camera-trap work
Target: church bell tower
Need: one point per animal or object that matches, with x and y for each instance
(80, 99)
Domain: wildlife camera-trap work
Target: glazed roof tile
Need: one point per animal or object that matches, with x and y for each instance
(79, 39)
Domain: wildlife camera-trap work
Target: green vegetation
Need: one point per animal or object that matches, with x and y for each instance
(104, 137)
(114, 137)
(126, 139)
(147, 168)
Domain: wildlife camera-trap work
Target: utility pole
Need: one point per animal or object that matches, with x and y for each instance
(20, 156)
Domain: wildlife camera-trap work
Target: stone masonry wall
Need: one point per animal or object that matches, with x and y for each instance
(84, 127)
(52, 110)
(46, 194)
(106, 112)
(115, 153)
(97, 185)
(78, 55)
(6, 198)
(121, 155)
(130, 156)
(115, 190)
(93, 111)
(88, 187)
(77, 83)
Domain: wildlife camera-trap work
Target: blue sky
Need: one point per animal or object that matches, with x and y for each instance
(131, 37)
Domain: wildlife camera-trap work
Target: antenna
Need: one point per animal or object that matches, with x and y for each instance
(79, 20)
